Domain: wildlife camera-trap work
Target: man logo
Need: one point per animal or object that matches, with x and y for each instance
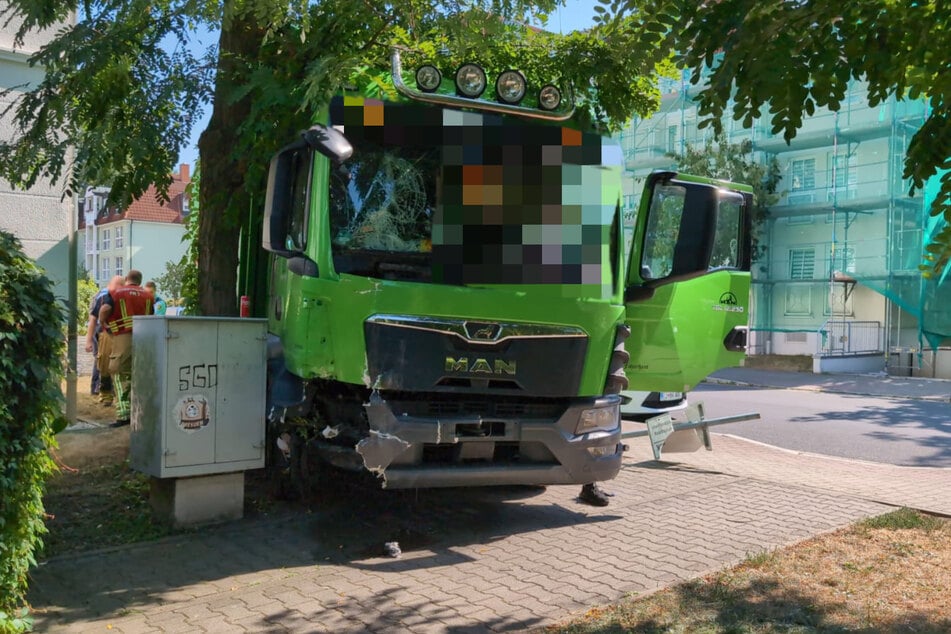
(480, 366)
(482, 331)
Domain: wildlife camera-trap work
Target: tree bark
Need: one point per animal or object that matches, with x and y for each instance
(223, 192)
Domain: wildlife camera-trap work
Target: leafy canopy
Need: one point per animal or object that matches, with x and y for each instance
(126, 83)
(783, 59)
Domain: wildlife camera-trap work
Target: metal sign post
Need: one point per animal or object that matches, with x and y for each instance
(661, 428)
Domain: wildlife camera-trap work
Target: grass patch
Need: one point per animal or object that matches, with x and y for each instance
(758, 559)
(904, 518)
(888, 574)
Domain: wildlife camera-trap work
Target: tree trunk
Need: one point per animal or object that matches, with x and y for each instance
(223, 194)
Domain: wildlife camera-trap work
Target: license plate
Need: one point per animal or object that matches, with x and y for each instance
(671, 396)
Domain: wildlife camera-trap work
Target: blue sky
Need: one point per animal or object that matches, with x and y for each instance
(576, 14)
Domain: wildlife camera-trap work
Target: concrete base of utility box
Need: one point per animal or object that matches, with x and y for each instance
(198, 499)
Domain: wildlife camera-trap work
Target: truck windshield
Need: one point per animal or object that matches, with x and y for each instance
(383, 199)
(467, 198)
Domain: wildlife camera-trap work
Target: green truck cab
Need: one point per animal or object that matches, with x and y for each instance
(449, 301)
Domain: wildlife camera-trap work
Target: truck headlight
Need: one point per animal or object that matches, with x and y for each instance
(600, 419)
(428, 78)
(549, 97)
(470, 80)
(510, 87)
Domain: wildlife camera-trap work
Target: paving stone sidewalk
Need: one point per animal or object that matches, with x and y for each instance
(499, 563)
(478, 560)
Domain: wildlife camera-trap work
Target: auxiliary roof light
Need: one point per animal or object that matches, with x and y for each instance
(470, 80)
(549, 97)
(428, 78)
(510, 87)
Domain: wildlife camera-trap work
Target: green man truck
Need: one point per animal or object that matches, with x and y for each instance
(449, 297)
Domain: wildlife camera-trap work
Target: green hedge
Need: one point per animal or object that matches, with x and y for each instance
(31, 368)
(86, 290)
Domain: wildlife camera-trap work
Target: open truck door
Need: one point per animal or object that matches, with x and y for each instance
(688, 281)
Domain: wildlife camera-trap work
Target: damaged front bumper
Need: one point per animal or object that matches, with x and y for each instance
(581, 445)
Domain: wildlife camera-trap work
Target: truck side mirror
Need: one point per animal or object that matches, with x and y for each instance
(329, 142)
(286, 205)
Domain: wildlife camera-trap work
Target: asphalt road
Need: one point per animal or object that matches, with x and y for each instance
(886, 430)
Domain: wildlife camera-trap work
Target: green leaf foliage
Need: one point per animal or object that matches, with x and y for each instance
(783, 59)
(126, 82)
(86, 290)
(170, 282)
(188, 264)
(31, 355)
(124, 72)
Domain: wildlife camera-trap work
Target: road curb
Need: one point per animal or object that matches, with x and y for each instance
(819, 388)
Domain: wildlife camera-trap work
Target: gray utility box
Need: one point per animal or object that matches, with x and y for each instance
(198, 390)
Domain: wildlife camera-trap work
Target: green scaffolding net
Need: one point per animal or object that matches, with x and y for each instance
(841, 244)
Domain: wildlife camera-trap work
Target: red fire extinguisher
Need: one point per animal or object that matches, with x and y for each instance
(245, 306)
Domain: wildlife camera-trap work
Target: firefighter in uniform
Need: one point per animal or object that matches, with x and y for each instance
(116, 314)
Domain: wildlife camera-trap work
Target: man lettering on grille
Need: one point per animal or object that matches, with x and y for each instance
(116, 314)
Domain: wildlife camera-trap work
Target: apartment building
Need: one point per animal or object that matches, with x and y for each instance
(838, 279)
(144, 236)
(40, 216)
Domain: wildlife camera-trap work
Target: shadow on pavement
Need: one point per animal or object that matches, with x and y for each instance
(347, 525)
(914, 415)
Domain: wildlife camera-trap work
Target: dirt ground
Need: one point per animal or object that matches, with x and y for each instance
(91, 442)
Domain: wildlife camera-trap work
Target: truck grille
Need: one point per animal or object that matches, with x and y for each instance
(417, 354)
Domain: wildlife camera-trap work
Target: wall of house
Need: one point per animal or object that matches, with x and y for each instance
(145, 246)
(152, 244)
(40, 216)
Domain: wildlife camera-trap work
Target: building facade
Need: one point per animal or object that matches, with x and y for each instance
(145, 236)
(40, 216)
(838, 275)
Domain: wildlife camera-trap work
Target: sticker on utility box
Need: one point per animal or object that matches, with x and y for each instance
(192, 413)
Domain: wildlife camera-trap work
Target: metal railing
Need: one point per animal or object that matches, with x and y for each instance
(837, 337)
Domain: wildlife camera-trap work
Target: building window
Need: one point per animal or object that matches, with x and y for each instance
(846, 176)
(798, 299)
(802, 264)
(845, 179)
(119, 264)
(803, 174)
(844, 259)
(105, 270)
(106, 240)
(672, 138)
(839, 301)
(118, 237)
(630, 202)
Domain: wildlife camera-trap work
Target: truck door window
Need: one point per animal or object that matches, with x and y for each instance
(663, 229)
(300, 189)
(726, 252)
